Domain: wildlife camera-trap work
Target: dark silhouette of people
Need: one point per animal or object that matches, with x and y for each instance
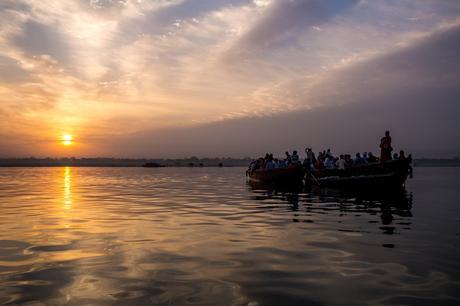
(288, 158)
(402, 155)
(385, 147)
(371, 158)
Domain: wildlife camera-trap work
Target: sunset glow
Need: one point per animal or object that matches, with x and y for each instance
(67, 188)
(229, 152)
(132, 76)
(67, 139)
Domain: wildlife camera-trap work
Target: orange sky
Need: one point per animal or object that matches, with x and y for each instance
(104, 70)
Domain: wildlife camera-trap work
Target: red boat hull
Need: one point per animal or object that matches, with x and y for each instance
(290, 175)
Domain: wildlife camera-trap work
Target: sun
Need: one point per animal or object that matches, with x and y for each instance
(67, 139)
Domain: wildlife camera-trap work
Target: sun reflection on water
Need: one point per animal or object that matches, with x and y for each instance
(67, 188)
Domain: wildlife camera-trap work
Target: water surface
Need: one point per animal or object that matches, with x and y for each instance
(203, 236)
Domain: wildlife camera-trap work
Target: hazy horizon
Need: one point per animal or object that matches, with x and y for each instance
(181, 78)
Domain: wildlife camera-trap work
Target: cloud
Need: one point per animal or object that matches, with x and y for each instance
(412, 91)
(284, 20)
(112, 68)
(37, 39)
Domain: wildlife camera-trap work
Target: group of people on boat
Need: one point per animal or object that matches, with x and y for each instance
(269, 162)
(326, 160)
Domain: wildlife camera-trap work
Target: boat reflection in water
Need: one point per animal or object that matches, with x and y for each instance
(393, 205)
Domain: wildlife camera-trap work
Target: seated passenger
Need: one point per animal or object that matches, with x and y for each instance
(329, 163)
(371, 158)
(365, 157)
(309, 166)
(348, 160)
(269, 164)
(340, 163)
(295, 158)
(358, 160)
(252, 165)
(321, 155)
(312, 168)
(395, 156)
(306, 163)
(402, 155)
(282, 163)
(288, 158)
(260, 163)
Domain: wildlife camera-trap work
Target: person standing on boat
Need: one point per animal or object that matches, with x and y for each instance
(385, 147)
(309, 162)
(288, 158)
(310, 155)
(329, 163)
(319, 166)
(295, 158)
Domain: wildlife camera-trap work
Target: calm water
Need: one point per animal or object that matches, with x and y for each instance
(137, 236)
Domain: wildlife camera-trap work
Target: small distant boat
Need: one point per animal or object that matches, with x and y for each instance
(152, 165)
(285, 176)
(392, 173)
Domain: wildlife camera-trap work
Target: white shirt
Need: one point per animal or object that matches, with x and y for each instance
(341, 164)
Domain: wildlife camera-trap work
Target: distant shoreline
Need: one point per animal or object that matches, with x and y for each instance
(186, 162)
(430, 162)
(124, 162)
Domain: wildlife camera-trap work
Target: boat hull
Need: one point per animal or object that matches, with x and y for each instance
(285, 176)
(386, 174)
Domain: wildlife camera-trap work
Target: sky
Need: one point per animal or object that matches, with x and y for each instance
(215, 78)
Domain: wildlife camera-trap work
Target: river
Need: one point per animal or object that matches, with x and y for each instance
(203, 236)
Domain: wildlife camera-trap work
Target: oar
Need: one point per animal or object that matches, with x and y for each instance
(314, 178)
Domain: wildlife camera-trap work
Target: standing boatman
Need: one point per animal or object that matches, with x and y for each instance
(385, 147)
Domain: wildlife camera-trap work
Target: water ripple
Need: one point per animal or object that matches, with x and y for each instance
(202, 236)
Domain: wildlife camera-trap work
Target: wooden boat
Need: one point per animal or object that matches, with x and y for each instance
(391, 173)
(286, 176)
